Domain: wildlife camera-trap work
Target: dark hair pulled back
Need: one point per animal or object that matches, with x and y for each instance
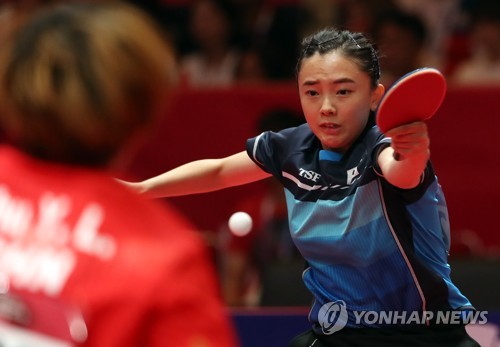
(350, 44)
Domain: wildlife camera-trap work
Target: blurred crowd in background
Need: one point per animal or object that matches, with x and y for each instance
(226, 42)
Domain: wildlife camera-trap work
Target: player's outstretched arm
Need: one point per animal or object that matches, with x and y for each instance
(403, 163)
(201, 176)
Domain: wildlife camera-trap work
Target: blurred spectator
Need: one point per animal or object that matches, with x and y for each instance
(273, 29)
(215, 57)
(319, 14)
(80, 86)
(358, 15)
(264, 267)
(251, 68)
(173, 17)
(483, 66)
(400, 38)
(441, 18)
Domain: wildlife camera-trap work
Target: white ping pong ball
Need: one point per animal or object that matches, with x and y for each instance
(240, 223)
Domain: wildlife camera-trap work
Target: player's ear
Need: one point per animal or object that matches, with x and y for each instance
(377, 94)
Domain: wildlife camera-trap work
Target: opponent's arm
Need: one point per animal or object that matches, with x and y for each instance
(201, 176)
(403, 163)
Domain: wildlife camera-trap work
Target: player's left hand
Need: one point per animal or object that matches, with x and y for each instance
(410, 140)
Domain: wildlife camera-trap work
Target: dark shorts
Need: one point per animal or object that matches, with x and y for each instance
(446, 336)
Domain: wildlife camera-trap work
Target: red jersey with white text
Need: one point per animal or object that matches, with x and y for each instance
(135, 270)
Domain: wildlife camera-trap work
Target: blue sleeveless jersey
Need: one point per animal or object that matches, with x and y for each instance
(372, 245)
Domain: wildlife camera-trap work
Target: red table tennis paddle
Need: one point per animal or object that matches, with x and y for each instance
(414, 97)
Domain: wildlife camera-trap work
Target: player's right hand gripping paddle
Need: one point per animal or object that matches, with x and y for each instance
(414, 97)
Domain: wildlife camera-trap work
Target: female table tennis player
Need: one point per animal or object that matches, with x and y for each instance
(372, 228)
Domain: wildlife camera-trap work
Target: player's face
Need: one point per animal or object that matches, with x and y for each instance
(336, 98)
